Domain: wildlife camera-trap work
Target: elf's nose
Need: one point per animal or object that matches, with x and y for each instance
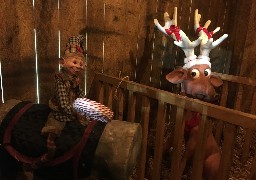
(79, 66)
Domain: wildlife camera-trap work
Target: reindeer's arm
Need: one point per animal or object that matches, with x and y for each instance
(161, 28)
(207, 47)
(207, 43)
(170, 27)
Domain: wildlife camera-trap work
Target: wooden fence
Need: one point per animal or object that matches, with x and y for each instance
(120, 40)
(153, 108)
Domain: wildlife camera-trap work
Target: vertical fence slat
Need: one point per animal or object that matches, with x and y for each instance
(252, 174)
(131, 106)
(224, 94)
(199, 156)
(239, 97)
(100, 92)
(158, 152)
(227, 151)
(120, 105)
(249, 133)
(223, 102)
(109, 97)
(177, 145)
(145, 126)
(229, 139)
(253, 106)
(247, 144)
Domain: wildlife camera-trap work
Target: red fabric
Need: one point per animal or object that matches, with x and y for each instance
(175, 30)
(209, 34)
(191, 123)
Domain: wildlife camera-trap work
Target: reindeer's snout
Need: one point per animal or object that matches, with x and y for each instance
(201, 96)
(206, 97)
(216, 96)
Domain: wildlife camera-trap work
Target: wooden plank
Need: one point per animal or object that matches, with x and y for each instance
(145, 126)
(177, 145)
(249, 133)
(100, 91)
(225, 114)
(95, 31)
(109, 97)
(253, 106)
(131, 106)
(120, 105)
(119, 33)
(17, 50)
(227, 151)
(224, 94)
(144, 66)
(135, 33)
(237, 79)
(252, 174)
(159, 48)
(239, 31)
(223, 102)
(138, 54)
(46, 29)
(248, 53)
(248, 141)
(158, 151)
(199, 156)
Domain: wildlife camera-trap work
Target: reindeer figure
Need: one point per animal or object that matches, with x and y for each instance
(196, 82)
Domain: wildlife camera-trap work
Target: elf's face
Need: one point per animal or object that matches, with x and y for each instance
(73, 65)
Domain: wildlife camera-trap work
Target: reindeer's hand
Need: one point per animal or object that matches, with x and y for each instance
(210, 44)
(156, 22)
(170, 27)
(202, 31)
(218, 41)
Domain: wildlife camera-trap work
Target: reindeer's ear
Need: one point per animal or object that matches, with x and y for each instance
(216, 81)
(177, 76)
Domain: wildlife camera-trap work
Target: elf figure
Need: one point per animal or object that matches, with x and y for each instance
(67, 89)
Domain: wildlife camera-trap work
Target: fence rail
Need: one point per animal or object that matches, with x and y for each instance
(149, 106)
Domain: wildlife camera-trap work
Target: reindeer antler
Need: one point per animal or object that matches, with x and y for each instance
(207, 43)
(181, 39)
(205, 39)
(170, 27)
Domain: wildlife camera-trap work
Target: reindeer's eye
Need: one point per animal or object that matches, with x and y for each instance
(207, 72)
(195, 73)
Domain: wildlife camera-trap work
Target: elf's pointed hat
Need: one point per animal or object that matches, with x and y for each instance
(74, 47)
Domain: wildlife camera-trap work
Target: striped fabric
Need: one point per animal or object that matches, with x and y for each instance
(93, 110)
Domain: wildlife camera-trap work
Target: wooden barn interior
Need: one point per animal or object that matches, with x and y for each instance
(127, 61)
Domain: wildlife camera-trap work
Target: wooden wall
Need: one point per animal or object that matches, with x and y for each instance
(120, 40)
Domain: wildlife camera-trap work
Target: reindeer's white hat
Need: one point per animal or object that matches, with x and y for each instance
(194, 60)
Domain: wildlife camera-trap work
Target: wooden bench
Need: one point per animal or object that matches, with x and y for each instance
(155, 108)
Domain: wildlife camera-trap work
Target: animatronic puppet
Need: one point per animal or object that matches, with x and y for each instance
(20, 131)
(197, 82)
(67, 89)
